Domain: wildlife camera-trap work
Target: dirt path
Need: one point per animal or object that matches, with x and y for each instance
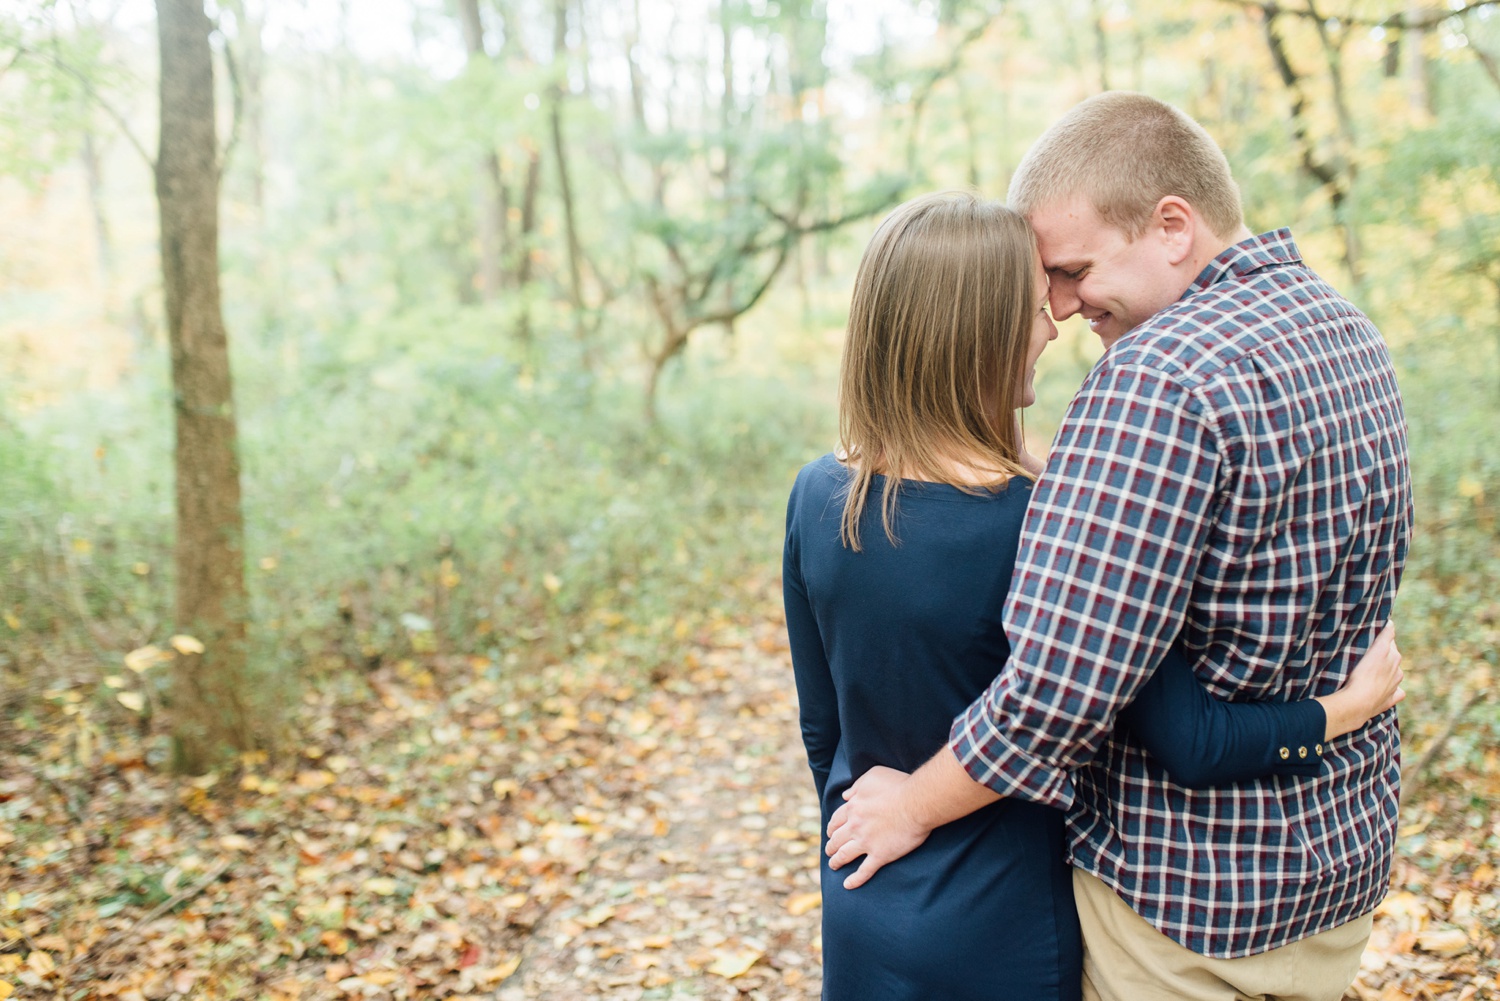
(713, 892)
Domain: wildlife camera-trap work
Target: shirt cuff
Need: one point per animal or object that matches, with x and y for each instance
(1300, 748)
(994, 761)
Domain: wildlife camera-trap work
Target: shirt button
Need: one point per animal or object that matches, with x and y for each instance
(1285, 754)
(1301, 752)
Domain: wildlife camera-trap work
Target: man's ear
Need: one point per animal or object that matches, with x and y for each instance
(1176, 221)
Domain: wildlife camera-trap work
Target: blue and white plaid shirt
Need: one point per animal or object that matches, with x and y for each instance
(1234, 471)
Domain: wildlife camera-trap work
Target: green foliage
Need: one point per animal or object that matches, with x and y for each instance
(413, 493)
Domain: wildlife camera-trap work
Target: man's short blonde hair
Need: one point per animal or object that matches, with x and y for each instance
(1126, 152)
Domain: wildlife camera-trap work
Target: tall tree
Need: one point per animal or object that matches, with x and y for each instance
(491, 190)
(210, 713)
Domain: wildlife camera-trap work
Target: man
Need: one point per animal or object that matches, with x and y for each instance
(1231, 477)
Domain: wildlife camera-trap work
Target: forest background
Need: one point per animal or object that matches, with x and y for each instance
(533, 309)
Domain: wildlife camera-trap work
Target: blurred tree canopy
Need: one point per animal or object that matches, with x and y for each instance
(533, 304)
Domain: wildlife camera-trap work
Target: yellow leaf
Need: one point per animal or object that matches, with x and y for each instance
(315, 778)
(551, 583)
(1447, 941)
(1483, 874)
(41, 963)
(13, 622)
(734, 964)
(380, 978)
(268, 563)
(185, 644)
(143, 658)
(1470, 489)
(597, 916)
(657, 941)
(6, 989)
(140, 569)
(133, 701)
(381, 885)
(334, 942)
(800, 903)
(495, 974)
(114, 681)
(82, 547)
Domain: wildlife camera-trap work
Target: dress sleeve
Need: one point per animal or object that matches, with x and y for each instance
(1203, 741)
(817, 702)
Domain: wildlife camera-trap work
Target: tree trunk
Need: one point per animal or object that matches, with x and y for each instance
(726, 129)
(210, 714)
(564, 183)
(96, 202)
(489, 192)
(1418, 75)
(523, 245)
(252, 78)
(1101, 44)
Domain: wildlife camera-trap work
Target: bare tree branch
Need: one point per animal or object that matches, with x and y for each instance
(1430, 18)
(925, 88)
(236, 102)
(1488, 61)
(93, 95)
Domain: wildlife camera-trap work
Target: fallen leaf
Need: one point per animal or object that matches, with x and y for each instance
(597, 916)
(133, 701)
(495, 974)
(144, 658)
(734, 964)
(1443, 940)
(41, 963)
(800, 903)
(382, 886)
(6, 989)
(334, 942)
(185, 644)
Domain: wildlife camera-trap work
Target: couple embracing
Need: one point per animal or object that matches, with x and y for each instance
(1119, 725)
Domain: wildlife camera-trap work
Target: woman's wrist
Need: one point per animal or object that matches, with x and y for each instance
(1342, 718)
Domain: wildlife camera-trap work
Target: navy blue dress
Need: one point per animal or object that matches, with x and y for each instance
(889, 645)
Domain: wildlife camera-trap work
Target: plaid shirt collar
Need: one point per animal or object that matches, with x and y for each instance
(1247, 257)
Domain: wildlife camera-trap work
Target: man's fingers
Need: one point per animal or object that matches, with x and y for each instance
(859, 877)
(846, 853)
(837, 820)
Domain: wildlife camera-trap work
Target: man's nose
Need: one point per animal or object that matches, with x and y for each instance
(1063, 298)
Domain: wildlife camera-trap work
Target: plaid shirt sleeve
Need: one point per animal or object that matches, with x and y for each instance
(1112, 542)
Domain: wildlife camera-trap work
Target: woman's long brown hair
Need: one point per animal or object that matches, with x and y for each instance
(939, 326)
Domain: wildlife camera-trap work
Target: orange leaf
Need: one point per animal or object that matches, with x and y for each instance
(800, 903)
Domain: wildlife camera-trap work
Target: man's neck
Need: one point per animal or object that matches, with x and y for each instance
(1216, 246)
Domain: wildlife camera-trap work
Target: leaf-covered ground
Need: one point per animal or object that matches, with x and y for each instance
(575, 836)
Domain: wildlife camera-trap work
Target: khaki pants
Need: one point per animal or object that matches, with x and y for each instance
(1126, 959)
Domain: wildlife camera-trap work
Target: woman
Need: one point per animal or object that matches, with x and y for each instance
(898, 557)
